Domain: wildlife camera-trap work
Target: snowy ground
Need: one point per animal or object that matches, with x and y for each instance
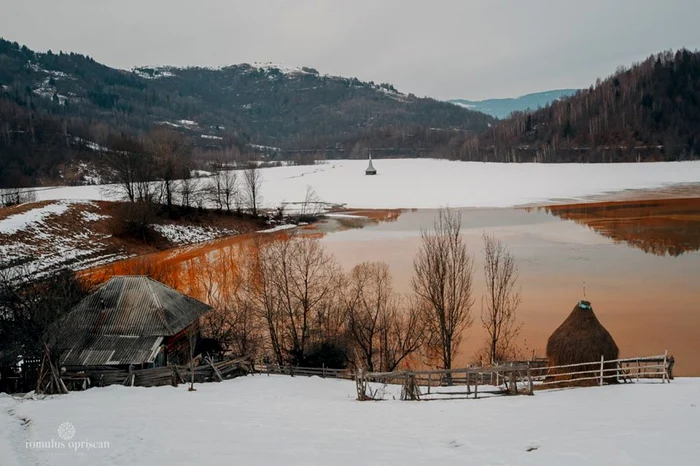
(430, 183)
(38, 238)
(283, 420)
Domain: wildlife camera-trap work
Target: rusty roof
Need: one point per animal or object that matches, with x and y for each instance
(120, 321)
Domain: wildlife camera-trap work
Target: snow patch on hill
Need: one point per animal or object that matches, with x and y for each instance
(32, 218)
(189, 234)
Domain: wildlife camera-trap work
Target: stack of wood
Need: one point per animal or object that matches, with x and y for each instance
(49, 380)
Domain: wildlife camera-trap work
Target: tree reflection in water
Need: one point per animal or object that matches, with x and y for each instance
(665, 227)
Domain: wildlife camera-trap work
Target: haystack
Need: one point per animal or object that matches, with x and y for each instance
(581, 338)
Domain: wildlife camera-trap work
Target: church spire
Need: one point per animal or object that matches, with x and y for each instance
(370, 169)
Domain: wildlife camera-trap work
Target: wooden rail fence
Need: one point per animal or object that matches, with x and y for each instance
(520, 377)
(323, 372)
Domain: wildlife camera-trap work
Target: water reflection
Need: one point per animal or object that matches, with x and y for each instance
(647, 301)
(668, 227)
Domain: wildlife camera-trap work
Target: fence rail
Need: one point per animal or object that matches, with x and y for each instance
(519, 377)
(323, 372)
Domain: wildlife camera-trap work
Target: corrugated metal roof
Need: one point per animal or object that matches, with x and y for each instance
(108, 350)
(125, 306)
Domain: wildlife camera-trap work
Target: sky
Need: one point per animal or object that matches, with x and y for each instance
(473, 49)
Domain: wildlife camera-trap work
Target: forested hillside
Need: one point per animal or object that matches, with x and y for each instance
(650, 111)
(56, 103)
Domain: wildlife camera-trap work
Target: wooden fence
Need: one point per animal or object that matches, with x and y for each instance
(624, 370)
(519, 377)
(323, 372)
(430, 384)
(210, 371)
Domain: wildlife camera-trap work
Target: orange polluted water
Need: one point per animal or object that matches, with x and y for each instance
(639, 262)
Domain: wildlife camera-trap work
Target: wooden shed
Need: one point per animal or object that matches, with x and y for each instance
(129, 321)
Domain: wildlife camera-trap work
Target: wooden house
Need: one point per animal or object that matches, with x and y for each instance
(129, 322)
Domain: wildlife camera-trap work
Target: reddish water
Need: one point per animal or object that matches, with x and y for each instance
(639, 261)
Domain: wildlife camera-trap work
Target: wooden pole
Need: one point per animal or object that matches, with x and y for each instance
(531, 388)
(602, 365)
(664, 375)
(40, 377)
(216, 371)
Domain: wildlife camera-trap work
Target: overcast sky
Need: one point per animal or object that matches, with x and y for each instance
(441, 48)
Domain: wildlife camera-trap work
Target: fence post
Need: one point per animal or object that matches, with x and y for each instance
(529, 382)
(664, 376)
(602, 358)
(323, 373)
(359, 382)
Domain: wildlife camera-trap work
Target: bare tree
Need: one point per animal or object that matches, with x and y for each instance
(232, 321)
(442, 279)
(402, 333)
(369, 299)
(297, 283)
(189, 189)
(252, 185)
(502, 298)
(127, 162)
(215, 190)
(384, 330)
(171, 154)
(311, 206)
(260, 267)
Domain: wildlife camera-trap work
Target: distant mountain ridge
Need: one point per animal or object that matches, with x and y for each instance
(274, 105)
(48, 101)
(502, 108)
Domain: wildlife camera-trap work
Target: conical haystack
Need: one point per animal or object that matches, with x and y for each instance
(581, 338)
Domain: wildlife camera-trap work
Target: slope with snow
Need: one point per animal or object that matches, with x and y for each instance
(431, 183)
(283, 420)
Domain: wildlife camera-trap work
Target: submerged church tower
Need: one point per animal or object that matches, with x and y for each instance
(370, 169)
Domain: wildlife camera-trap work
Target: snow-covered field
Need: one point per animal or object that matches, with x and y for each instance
(430, 183)
(282, 420)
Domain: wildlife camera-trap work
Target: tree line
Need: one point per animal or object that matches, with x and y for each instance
(288, 300)
(647, 112)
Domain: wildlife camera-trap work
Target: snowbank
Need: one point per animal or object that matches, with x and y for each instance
(284, 420)
(34, 217)
(189, 234)
(430, 183)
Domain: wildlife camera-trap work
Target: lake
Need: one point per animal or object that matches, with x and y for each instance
(639, 261)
